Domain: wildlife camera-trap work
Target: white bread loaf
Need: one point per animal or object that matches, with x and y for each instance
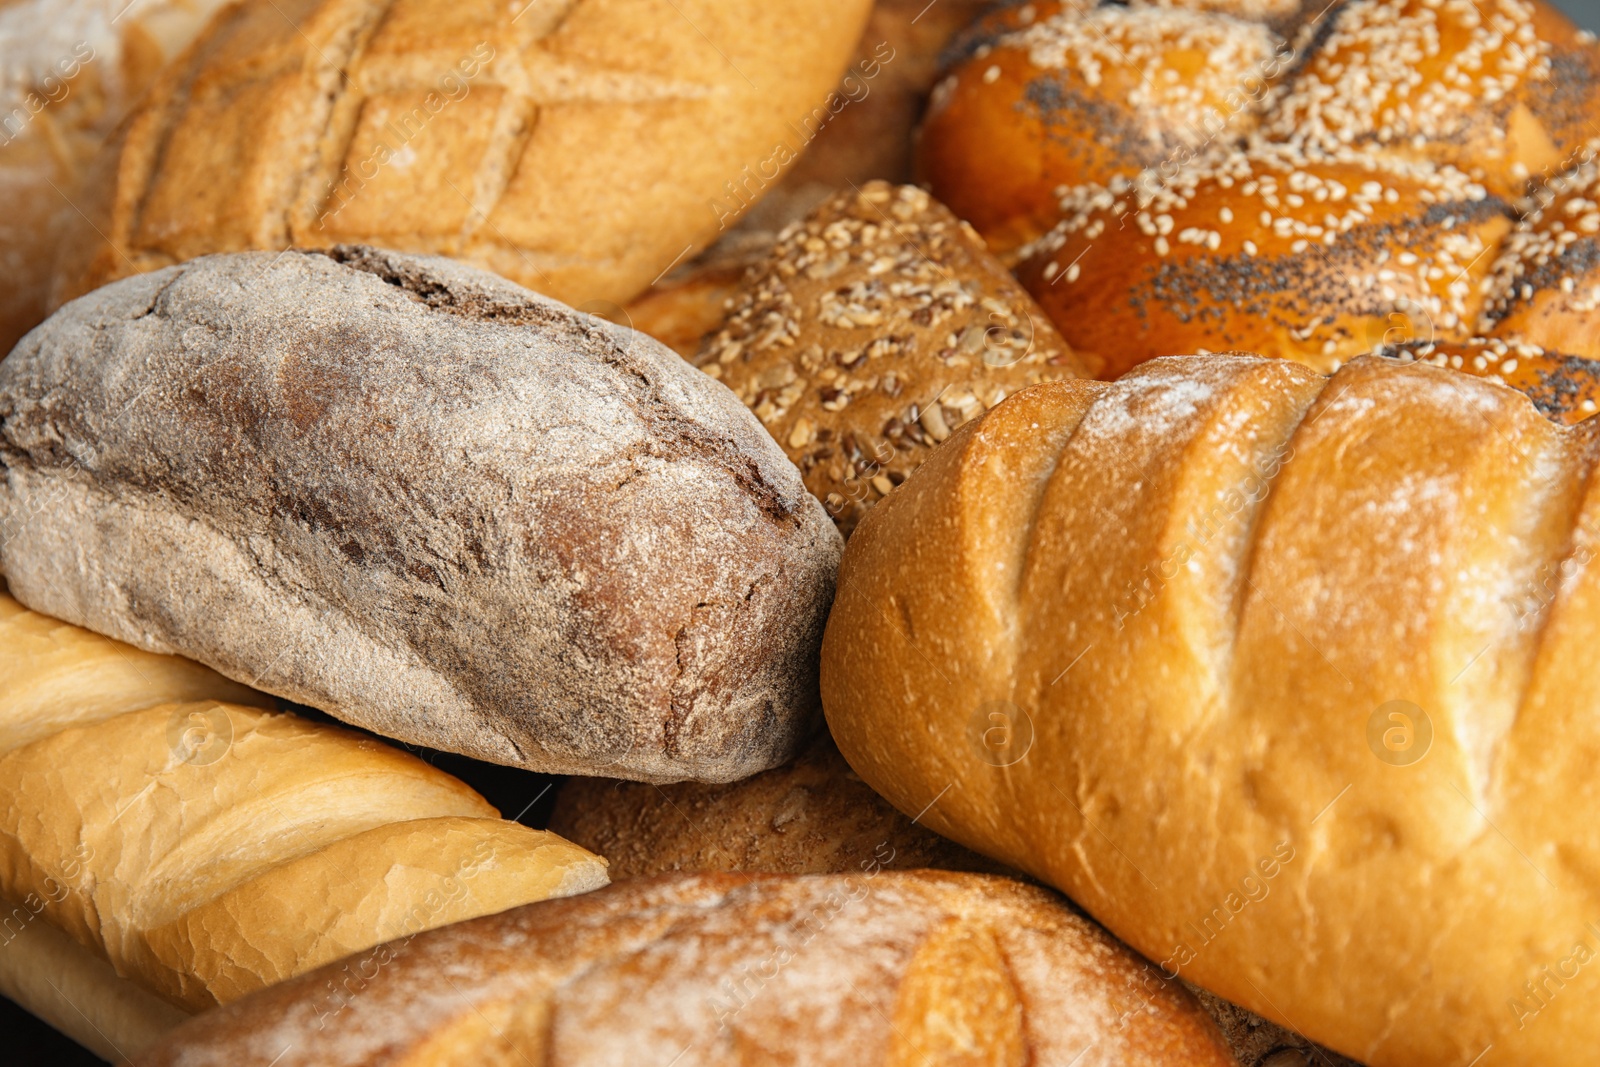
(426, 501)
(1283, 678)
(206, 849)
(875, 969)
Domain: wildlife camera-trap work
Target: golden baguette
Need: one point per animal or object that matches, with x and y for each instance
(207, 848)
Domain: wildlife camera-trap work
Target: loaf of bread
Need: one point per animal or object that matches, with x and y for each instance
(69, 69)
(580, 148)
(206, 848)
(1282, 677)
(875, 968)
(1309, 184)
(871, 330)
(813, 815)
(426, 501)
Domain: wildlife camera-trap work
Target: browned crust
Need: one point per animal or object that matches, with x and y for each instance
(579, 147)
(872, 329)
(1202, 586)
(877, 968)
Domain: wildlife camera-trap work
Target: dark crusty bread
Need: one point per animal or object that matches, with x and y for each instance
(425, 500)
(878, 968)
(813, 815)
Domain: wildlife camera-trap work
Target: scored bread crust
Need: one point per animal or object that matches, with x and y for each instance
(881, 968)
(206, 849)
(426, 501)
(580, 147)
(1202, 593)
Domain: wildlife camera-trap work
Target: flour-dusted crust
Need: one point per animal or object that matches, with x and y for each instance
(426, 501)
(1296, 679)
(879, 968)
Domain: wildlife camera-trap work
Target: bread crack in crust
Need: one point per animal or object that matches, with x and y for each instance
(185, 837)
(1303, 665)
(576, 146)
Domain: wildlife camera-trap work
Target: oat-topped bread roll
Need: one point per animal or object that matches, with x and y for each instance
(426, 501)
(68, 71)
(1295, 678)
(573, 145)
(876, 968)
(871, 331)
(813, 815)
(201, 848)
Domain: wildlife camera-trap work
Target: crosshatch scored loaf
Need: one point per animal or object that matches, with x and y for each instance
(574, 146)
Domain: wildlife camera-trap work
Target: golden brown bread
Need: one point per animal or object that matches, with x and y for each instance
(1566, 388)
(1295, 674)
(875, 968)
(206, 849)
(1080, 94)
(576, 147)
(813, 815)
(1265, 251)
(1349, 188)
(70, 69)
(871, 330)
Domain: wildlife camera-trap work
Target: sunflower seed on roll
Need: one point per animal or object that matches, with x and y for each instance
(425, 500)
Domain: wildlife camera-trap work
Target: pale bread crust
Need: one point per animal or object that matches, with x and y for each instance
(876, 968)
(1253, 562)
(207, 849)
(66, 985)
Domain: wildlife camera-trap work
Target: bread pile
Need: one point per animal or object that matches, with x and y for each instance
(927, 699)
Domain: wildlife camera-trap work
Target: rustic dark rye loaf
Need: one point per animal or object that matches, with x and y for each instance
(426, 500)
